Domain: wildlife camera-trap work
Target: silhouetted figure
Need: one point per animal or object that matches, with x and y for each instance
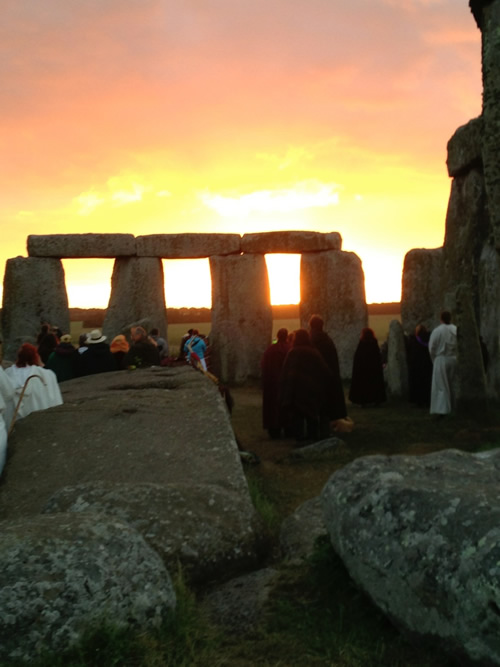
(420, 367)
(64, 360)
(142, 352)
(97, 358)
(304, 388)
(335, 407)
(367, 383)
(271, 365)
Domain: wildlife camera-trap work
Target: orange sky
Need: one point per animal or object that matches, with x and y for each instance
(155, 116)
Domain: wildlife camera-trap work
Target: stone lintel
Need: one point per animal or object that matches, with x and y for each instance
(290, 242)
(187, 246)
(465, 147)
(81, 245)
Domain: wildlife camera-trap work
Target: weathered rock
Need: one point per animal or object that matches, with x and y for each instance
(489, 313)
(208, 529)
(166, 430)
(420, 535)
(137, 293)
(467, 229)
(81, 245)
(317, 451)
(290, 242)
(299, 532)
(332, 285)
(239, 605)
(241, 316)
(464, 148)
(33, 292)
(63, 572)
(396, 372)
(188, 246)
(422, 292)
(471, 378)
(490, 38)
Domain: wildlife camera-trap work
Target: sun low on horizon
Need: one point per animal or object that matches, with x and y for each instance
(158, 117)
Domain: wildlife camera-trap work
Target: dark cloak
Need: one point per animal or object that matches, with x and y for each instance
(271, 366)
(65, 362)
(367, 383)
(305, 381)
(419, 369)
(97, 359)
(336, 399)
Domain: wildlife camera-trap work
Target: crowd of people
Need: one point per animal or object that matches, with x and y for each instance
(303, 395)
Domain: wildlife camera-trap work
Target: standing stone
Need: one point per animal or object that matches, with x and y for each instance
(241, 316)
(487, 14)
(471, 379)
(332, 285)
(137, 295)
(489, 313)
(33, 292)
(421, 296)
(397, 363)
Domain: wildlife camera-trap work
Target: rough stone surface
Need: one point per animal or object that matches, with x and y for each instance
(241, 316)
(467, 229)
(464, 147)
(187, 246)
(471, 386)
(396, 372)
(162, 427)
(183, 522)
(489, 312)
(290, 242)
(421, 536)
(490, 20)
(81, 245)
(332, 285)
(60, 573)
(137, 293)
(33, 292)
(422, 293)
(239, 605)
(299, 532)
(317, 451)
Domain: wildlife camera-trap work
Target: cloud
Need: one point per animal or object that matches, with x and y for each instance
(308, 194)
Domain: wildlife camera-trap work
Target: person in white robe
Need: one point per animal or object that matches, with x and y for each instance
(7, 393)
(443, 351)
(36, 387)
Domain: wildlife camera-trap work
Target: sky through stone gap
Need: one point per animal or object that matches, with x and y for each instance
(154, 116)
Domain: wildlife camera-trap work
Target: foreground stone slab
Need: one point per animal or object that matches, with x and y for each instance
(62, 572)
(81, 245)
(421, 536)
(290, 242)
(187, 246)
(33, 292)
(163, 432)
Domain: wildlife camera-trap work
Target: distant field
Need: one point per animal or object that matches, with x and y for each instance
(379, 324)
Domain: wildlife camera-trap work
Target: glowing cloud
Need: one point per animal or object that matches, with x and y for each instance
(307, 194)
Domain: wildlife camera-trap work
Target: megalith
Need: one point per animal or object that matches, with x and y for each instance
(137, 296)
(422, 294)
(396, 374)
(332, 285)
(471, 377)
(242, 317)
(487, 15)
(489, 313)
(420, 536)
(34, 292)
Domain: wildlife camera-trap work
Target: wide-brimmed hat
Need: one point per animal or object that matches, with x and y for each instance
(66, 338)
(95, 337)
